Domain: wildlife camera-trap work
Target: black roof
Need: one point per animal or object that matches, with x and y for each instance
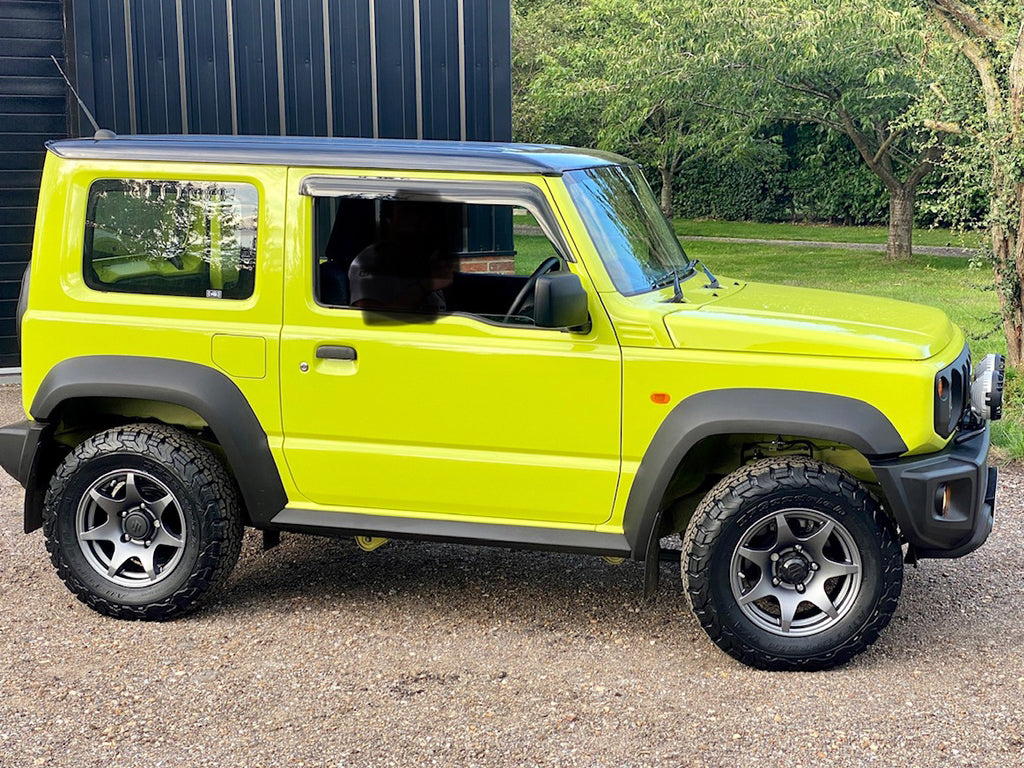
(397, 154)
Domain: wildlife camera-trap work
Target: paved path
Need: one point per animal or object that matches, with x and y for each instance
(919, 250)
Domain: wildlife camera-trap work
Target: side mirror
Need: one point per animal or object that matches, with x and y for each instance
(559, 301)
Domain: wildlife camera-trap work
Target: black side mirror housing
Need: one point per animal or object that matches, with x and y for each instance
(559, 301)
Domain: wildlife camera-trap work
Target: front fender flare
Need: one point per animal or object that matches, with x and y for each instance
(745, 410)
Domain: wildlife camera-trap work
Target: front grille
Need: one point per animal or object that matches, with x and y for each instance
(955, 381)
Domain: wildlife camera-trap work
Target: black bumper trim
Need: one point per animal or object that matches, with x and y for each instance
(912, 486)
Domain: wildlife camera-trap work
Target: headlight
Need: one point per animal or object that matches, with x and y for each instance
(987, 388)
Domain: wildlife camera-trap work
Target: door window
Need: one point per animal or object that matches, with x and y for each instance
(427, 257)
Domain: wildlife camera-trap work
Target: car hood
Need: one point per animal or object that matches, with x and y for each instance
(781, 319)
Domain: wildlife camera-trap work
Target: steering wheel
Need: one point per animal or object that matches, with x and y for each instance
(550, 264)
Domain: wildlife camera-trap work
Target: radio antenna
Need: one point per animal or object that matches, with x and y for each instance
(81, 103)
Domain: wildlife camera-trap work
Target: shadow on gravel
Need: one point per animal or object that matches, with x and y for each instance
(941, 603)
(466, 580)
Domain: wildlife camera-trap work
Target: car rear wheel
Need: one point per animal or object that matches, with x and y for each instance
(790, 564)
(142, 521)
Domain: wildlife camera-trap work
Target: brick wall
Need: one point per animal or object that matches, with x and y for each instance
(503, 265)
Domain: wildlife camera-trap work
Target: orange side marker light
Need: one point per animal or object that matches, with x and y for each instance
(660, 397)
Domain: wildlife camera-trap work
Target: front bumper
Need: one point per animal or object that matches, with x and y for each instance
(914, 487)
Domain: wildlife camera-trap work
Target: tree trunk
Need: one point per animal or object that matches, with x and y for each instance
(901, 223)
(1008, 258)
(666, 189)
(1003, 247)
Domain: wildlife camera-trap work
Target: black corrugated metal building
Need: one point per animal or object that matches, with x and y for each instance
(433, 69)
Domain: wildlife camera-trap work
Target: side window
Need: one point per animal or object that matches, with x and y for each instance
(428, 257)
(171, 238)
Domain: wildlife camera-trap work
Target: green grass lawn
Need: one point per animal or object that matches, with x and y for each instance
(819, 233)
(531, 250)
(815, 232)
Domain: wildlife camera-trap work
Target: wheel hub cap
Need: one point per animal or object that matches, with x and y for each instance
(139, 525)
(794, 570)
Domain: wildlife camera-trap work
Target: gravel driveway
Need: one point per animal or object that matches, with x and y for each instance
(426, 654)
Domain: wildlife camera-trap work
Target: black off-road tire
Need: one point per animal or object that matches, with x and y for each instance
(201, 522)
(744, 506)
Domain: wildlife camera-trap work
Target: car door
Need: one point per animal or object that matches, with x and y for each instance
(455, 415)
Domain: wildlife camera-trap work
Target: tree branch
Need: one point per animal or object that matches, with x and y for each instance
(931, 156)
(807, 118)
(861, 142)
(884, 159)
(989, 84)
(942, 126)
(1016, 78)
(808, 89)
(884, 146)
(972, 22)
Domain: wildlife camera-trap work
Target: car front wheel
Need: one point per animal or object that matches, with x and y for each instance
(790, 564)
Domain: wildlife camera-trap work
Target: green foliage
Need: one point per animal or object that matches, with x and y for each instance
(722, 188)
(552, 102)
(814, 175)
(617, 74)
(696, 89)
(830, 182)
(979, 96)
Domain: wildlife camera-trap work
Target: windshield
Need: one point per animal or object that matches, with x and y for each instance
(632, 236)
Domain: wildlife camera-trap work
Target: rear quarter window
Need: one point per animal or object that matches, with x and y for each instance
(171, 238)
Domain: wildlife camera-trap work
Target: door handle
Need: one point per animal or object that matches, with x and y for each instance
(334, 352)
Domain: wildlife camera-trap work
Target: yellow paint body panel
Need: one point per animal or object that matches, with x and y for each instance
(244, 357)
(455, 416)
(782, 320)
(67, 319)
(458, 418)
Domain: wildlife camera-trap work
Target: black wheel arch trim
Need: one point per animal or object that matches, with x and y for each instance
(745, 410)
(211, 394)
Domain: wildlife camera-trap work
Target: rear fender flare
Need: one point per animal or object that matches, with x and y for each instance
(202, 389)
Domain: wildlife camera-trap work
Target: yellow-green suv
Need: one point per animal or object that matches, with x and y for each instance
(481, 343)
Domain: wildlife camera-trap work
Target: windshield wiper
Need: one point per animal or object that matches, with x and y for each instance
(673, 277)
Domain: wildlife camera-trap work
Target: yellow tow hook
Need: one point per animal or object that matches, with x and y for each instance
(370, 543)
